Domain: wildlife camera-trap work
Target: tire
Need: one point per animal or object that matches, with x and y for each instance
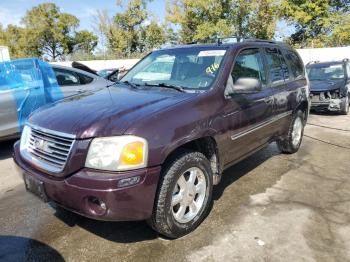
(166, 218)
(345, 108)
(291, 142)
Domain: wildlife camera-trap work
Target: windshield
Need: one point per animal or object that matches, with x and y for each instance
(324, 73)
(189, 68)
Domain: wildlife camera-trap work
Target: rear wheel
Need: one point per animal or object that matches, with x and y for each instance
(184, 195)
(345, 107)
(292, 141)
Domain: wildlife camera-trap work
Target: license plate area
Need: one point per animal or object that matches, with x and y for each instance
(35, 187)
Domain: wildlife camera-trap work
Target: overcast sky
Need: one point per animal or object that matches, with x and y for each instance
(11, 11)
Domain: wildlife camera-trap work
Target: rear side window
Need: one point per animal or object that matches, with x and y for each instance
(84, 79)
(249, 64)
(296, 65)
(66, 78)
(278, 69)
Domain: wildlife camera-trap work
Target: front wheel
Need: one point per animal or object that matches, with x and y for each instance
(292, 141)
(184, 195)
(345, 106)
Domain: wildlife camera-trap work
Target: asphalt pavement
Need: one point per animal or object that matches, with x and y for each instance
(269, 207)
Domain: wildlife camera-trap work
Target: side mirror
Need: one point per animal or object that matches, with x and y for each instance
(247, 85)
(113, 76)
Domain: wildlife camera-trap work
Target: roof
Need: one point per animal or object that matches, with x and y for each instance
(74, 70)
(225, 43)
(325, 64)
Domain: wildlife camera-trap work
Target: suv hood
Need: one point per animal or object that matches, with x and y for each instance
(320, 86)
(105, 112)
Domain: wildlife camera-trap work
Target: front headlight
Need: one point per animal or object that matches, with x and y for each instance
(117, 153)
(25, 136)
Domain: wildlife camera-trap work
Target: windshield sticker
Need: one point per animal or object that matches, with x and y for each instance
(211, 53)
(211, 69)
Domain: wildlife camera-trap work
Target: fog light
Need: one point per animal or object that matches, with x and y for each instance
(96, 206)
(129, 181)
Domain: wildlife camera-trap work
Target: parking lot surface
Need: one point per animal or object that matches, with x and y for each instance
(269, 207)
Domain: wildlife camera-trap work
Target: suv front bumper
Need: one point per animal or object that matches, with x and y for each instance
(98, 194)
(331, 105)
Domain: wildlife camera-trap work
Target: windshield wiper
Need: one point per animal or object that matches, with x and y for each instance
(178, 88)
(135, 86)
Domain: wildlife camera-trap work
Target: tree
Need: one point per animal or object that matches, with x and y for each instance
(341, 32)
(152, 36)
(317, 23)
(85, 41)
(131, 31)
(16, 39)
(207, 18)
(262, 22)
(53, 34)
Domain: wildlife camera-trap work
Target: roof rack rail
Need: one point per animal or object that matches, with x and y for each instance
(261, 40)
(313, 62)
(231, 39)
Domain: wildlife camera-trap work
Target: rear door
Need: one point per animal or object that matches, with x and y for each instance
(21, 92)
(279, 77)
(72, 82)
(16, 104)
(9, 124)
(248, 114)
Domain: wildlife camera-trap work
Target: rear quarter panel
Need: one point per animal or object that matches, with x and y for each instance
(9, 124)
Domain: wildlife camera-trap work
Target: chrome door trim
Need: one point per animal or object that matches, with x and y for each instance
(261, 125)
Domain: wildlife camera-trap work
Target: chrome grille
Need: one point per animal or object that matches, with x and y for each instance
(49, 149)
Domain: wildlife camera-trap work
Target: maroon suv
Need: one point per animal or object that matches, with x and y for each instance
(152, 146)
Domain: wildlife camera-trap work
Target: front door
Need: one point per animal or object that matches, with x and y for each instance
(248, 114)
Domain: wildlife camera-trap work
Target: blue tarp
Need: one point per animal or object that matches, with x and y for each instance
(32, 83)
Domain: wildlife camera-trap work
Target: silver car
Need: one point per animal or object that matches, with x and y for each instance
(73, 81)
(27, 84)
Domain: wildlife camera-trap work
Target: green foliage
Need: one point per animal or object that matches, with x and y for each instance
(47, 33)
(50, 31)
(206, 18)
(131, 31)
(318, 23)
(85, 41)
(262, 23)
(16, 39)
(152, 36)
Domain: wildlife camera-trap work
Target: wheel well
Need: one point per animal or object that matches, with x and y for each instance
(304, 107)
(207, 146)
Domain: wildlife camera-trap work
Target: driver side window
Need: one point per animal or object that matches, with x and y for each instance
(249, 64)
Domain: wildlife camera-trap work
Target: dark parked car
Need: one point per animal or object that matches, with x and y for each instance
(152, 146)
(329, 85)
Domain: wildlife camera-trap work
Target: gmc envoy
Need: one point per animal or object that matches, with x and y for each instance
(152, 146)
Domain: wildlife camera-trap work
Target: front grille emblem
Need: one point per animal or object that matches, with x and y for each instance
(42, 145)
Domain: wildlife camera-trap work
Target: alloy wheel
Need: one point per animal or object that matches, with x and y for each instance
(188, 195)
(297, 131)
